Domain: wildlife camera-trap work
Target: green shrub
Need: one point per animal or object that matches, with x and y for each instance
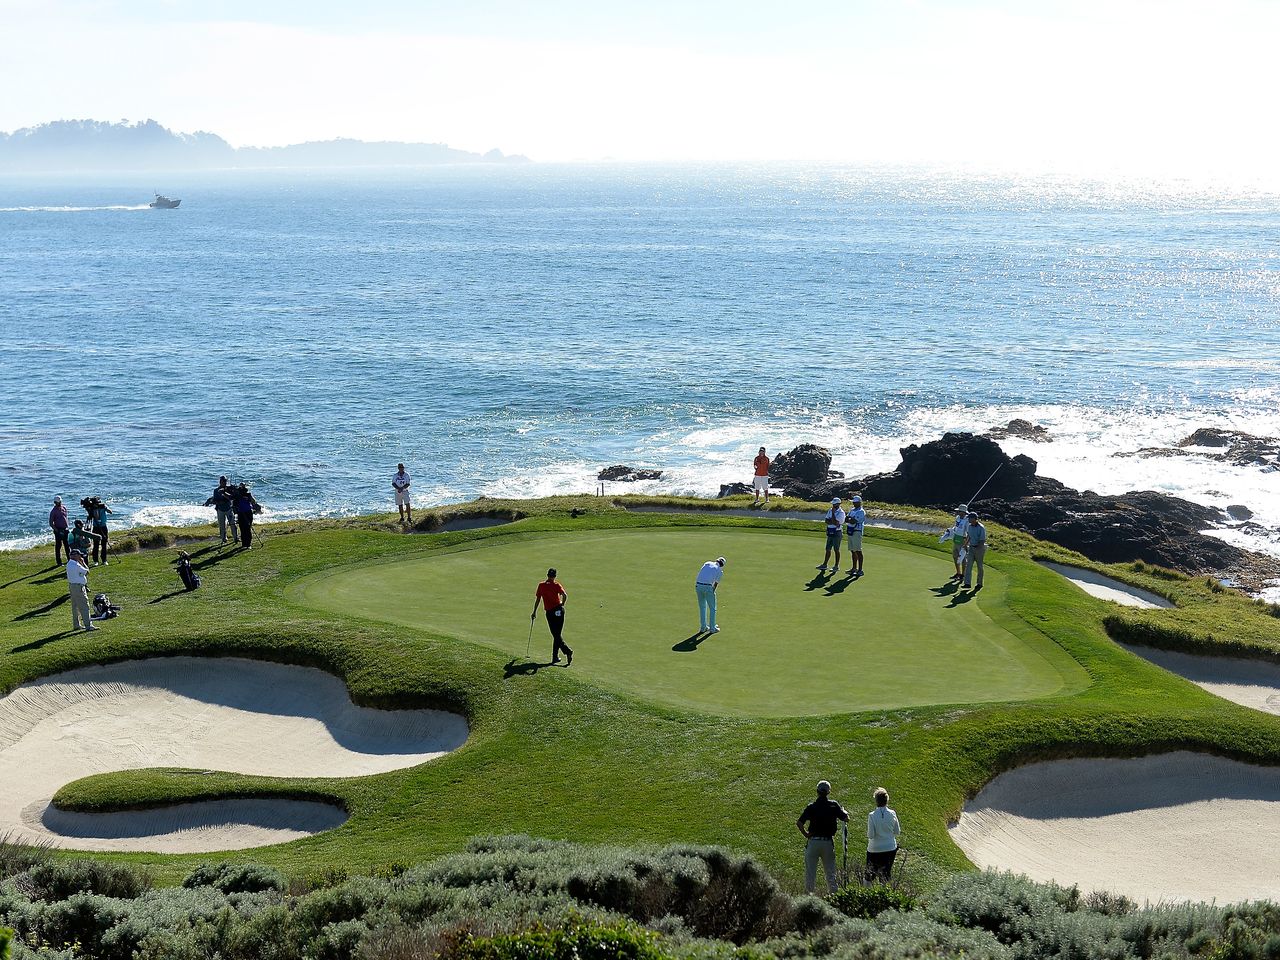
(868, 902)
(58, 879)
(579, 941)
(235, 877)
(18, 857)
(6, 937)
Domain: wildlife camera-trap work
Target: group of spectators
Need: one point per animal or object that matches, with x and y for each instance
(818, 824)
(235, 506)
(74, 537)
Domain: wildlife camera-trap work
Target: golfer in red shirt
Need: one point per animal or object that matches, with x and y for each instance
(552, 597)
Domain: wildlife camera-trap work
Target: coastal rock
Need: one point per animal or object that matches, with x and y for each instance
(1022, 430)
(1238, 511)
(1229, 446)
(620, 473)
(807, 464)
(1142, 525)
(734, 489)
(943, 472)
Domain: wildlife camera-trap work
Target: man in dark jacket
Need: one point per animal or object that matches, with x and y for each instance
(222, 501)
(818, 826)
(59, 524)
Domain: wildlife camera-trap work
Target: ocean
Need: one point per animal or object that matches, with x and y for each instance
(509, 330)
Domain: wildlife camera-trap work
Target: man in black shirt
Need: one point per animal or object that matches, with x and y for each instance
(821, 816)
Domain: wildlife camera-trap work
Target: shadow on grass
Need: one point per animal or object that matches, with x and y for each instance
(523, 668)
(220, 553)
(818, 581)
(52, 566)
(690, 644)
(41, 611)
(836, 587)
(170, 596)
(37, 644)
(961, 597)
(947, 589)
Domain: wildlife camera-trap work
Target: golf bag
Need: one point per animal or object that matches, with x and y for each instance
(103, 608)
(190, 579)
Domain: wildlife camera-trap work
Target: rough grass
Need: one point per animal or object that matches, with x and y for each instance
(555, 755)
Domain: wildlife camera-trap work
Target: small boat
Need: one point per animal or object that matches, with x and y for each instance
(163, 203)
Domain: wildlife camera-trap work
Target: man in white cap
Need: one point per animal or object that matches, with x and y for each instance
(60, 526)
(706, 584)
(834, 520)
(818, 826)
(975, 544)
(854, 522)
(400, 484)
(957, 531)
(78, 587)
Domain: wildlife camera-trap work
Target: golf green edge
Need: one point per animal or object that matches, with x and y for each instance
(565, 754)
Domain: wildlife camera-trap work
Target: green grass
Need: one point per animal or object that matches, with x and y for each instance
(592, 755)
(902, 636)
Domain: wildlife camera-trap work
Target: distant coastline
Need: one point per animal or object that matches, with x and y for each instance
(95, 145)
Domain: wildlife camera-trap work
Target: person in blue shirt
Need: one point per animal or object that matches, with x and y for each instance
(245, 506)
(834, 520)
(975, 542)
(98, 512)
(855, 522)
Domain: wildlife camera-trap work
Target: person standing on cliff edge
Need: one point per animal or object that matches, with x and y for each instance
(760, 482)
(400, 484)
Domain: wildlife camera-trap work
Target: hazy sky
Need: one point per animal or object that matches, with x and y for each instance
(1087, 85)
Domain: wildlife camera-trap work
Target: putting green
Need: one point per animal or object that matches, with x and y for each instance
(791, 643)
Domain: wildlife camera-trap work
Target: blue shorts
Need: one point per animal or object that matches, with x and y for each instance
(833, 540)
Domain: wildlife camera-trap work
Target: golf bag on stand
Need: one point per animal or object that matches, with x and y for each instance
(103, 608)
(190, 579)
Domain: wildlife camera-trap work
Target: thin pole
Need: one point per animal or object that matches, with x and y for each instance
(529, 644)
(984, 483)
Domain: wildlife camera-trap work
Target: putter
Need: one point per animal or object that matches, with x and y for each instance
(529, 643)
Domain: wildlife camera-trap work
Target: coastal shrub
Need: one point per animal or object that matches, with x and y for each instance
(81, 921)
(59, 879)
(868, 902)
(6, 937)
(235, 877)
(19, 857)
(577, 941)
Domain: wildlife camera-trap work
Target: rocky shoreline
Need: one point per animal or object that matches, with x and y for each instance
(1141, 525)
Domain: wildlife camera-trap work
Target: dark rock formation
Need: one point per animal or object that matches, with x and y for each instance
(1142, 525)
(620, 473)
(1238, 511)
(806, 464)
(1231, 446)
(733, 489)
(1022, 429)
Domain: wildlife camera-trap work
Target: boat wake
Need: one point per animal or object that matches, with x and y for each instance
(117, 206)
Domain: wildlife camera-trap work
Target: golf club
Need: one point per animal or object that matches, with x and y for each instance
(984, 484)
(529, 643)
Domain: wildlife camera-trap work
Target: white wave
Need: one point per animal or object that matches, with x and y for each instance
(69, 209)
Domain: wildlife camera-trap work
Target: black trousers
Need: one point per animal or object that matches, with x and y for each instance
(555, 620)
(100, 544)
(60, 546)
(246, 528)
(880, 866)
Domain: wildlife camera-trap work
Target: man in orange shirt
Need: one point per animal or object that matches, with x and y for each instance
(760, 482)
(552, 597)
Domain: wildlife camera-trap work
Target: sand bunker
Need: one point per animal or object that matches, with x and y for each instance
(241, 716)
(1250, 683)
(1175, 826)
(1108, 588)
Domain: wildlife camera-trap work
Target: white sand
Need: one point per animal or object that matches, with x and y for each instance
(1250, 683)
(1175, 826)
(226, 714)
(1108, 588)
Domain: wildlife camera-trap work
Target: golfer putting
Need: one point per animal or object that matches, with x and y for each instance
(551, 595)
(834, 520)
(706, 583)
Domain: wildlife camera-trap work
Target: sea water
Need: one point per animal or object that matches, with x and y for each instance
(509, 330)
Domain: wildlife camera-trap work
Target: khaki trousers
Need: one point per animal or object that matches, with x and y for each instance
(79, 605)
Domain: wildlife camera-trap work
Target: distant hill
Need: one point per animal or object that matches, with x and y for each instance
(72, 145)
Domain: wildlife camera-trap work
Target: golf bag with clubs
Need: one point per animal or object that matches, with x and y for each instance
(103, 608)
(190, 579)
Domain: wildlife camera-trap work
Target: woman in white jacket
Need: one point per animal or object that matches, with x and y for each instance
(882, 838)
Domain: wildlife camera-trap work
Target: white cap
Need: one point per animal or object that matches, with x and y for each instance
(57, 499)
(824, 787)
(720, 560)
(963, 508)
(835, 501)
(856, 499)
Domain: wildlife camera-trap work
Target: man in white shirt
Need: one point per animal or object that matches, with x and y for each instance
(957, 531)
(834, 521)
(854, 523)
(78, 587)
(705, 585)
(400, 484)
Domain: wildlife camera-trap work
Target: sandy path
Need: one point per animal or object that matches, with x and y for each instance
(227, 714)
(1250, 683)
(1108, 588)
(1175, 826)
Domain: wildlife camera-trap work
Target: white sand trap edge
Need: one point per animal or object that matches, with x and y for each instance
(1174, 826)
(1108, 588)
(1250, 683)
(227, 714)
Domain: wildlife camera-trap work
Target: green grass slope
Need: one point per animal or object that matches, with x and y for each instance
(629, 750)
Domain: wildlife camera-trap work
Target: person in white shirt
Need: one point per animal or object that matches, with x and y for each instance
(975, 545)
(854, 523)
(834, 520)
(957, 531)
(882, 838)
(400, 484)
(78, 587)
(705, 585)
